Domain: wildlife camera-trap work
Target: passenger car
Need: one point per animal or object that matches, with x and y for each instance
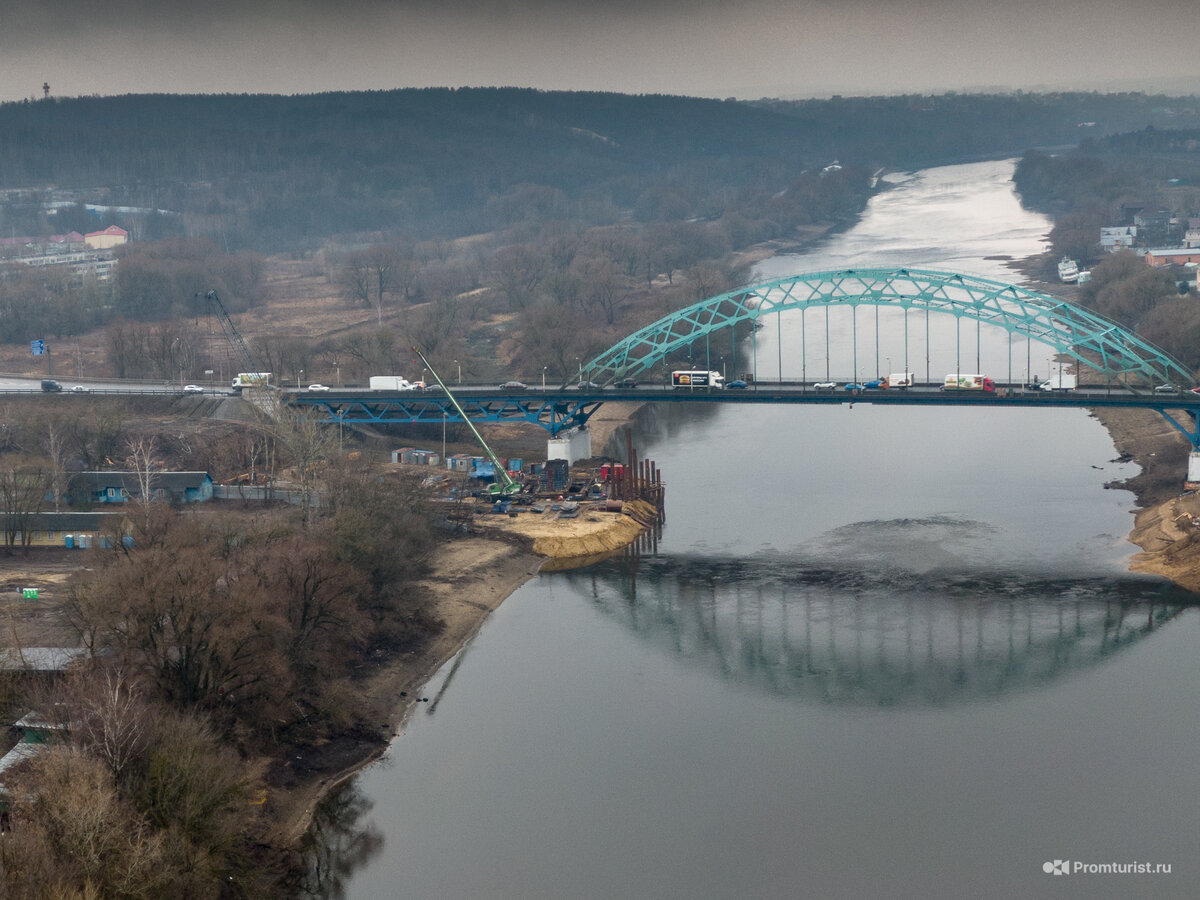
(825, 385)
(1167, 388)
(79, 389)
(318, 387)
(587, 386)
(193, 389)
(852, 386)
(627, 383)
(737, 385)
(514, 386)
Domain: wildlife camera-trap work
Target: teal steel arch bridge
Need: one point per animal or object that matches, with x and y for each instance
(1127, 368)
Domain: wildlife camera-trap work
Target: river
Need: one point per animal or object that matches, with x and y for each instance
(877, 652)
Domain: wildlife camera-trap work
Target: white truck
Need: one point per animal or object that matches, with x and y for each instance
(899, 380)
(697, 378)
(391, 383)
(1058, 381)
(250, 379)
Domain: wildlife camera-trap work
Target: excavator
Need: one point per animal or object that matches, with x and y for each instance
(504, 485)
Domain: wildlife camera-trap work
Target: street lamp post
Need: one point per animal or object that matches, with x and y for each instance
(443, 437)
(580, 364)
(459, 366)
(543, 378)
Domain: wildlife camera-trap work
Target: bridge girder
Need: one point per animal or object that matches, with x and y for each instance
(1072, 331)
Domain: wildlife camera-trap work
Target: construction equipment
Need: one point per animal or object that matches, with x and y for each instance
(231, 334)
(504, 485)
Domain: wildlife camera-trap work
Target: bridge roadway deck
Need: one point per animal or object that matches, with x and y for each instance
(769, 393)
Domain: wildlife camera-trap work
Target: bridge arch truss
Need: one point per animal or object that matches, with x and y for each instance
(1072, 331)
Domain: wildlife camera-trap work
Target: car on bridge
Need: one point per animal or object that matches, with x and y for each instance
(587, 386)
(318, 387)
(737, 385)
(513, 386)
(1167, 388)
(193, 389)
(852, 386)
(626, 383)
(825, 385)
(873, 385)
(79, 389)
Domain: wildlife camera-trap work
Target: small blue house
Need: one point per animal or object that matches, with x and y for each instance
(91, 488)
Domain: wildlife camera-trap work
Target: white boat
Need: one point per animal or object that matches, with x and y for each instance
(1068, 270)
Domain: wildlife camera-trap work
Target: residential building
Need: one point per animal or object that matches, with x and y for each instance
(1191, 237)
(1117, 237)
(1173, 256)
(93, 488)
(112, 236)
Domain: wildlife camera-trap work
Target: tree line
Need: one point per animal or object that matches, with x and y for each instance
(226, 646)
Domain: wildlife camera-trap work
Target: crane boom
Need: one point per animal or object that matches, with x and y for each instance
(505, 484)
(231, 333)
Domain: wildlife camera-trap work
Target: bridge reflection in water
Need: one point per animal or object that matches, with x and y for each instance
(861, 636)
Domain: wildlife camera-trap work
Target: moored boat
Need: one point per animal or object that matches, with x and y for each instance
(1068, 270)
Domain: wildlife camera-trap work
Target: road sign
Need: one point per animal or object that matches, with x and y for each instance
(29, 593)
(37, 348)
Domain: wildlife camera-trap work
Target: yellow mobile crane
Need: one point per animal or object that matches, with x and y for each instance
(504, 485)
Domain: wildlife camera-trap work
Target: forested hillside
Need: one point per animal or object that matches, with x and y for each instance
(275, 173)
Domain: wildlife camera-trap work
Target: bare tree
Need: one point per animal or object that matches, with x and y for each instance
(141, 462)
(22, 492)
(55, 446)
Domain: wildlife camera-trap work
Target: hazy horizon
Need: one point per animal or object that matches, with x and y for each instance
(703, 48)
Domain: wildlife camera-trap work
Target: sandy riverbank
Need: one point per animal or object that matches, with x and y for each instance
(1165, 524)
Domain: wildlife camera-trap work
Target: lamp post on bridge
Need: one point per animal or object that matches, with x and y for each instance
(544, 377)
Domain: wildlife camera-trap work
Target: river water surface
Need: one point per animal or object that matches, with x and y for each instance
(877, 652)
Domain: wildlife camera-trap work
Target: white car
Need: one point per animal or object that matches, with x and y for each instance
(318, 387)
(825, 385)
(193, 389)
(79, 389)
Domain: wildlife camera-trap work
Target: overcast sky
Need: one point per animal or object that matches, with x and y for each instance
(709, 48)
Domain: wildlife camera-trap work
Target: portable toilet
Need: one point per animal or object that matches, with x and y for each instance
(70, 541)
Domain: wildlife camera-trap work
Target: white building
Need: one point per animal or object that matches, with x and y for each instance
(1117, 237)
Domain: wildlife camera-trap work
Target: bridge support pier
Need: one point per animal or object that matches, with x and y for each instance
(572, 444)
(1193, 475)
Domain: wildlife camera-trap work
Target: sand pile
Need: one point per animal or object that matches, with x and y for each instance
(593, 532)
